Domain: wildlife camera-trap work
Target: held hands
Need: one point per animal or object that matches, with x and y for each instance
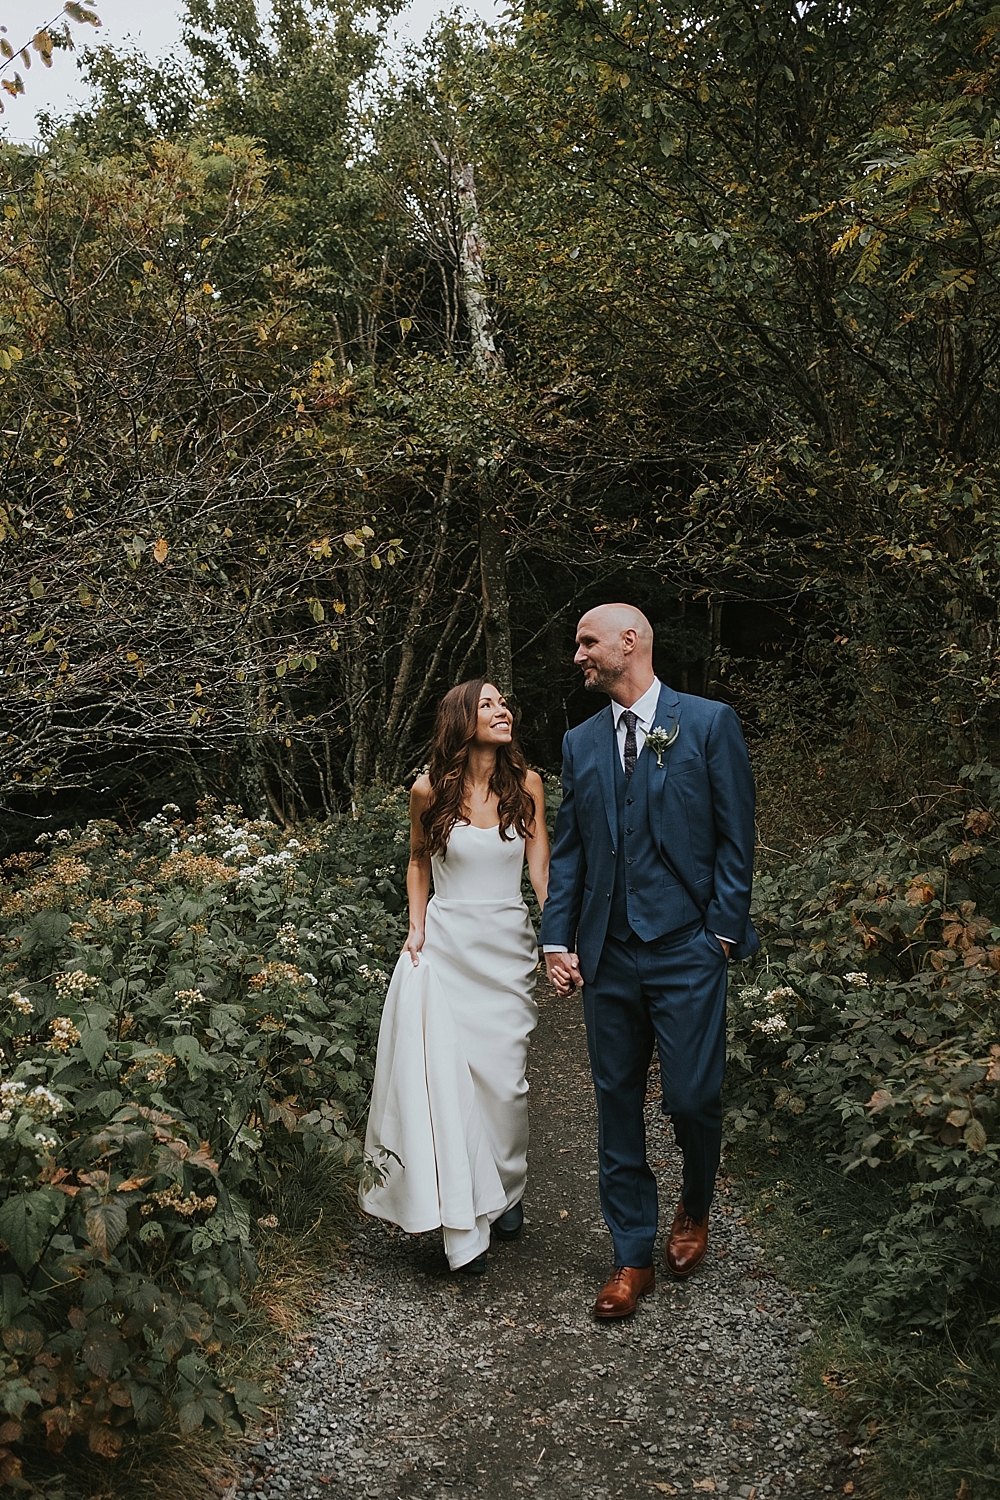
(413, 944)
(563, 970)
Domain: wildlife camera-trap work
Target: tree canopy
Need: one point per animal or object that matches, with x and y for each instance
(330, 377)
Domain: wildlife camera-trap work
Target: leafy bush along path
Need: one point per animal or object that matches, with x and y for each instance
(419, 1383)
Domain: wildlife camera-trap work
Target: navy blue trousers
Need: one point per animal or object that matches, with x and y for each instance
(670, 994)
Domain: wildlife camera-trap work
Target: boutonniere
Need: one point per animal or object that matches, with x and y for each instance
(660, 739)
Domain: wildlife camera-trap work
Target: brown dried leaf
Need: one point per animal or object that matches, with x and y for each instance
(104, 1440)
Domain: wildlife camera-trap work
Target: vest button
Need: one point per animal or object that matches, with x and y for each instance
(629, 801)
(630, 861)
(630, 830)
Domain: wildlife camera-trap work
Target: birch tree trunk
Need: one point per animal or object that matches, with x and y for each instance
(488, 361)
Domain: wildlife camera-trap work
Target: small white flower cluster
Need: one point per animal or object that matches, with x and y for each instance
(76, 982)
(21, 1002)
(386, 870)
(750, 992)
(400, 836)
(39, 1102)
(188, 999)
(770, 1026)
(376, 975)
(857, 979)
(63, 1034)
(783, 992)
(288, 939)
(264, 862)
(157, 824)
(171, 807)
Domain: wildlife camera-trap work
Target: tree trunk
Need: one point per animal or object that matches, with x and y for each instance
(496, 605)
(487, 359)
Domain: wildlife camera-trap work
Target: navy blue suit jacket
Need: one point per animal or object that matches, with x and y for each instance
(699, 838)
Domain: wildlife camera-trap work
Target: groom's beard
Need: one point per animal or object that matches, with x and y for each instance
(602, 680)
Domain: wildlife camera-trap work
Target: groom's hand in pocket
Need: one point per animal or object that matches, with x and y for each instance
(563, 970)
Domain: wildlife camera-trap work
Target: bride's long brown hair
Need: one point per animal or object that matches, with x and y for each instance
(454, 732)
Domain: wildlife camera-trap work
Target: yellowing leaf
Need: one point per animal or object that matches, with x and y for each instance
(160, 550)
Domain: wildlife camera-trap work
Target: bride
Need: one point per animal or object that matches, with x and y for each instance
(448, 1126)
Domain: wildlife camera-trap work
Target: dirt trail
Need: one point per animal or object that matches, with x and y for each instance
(420, 1383)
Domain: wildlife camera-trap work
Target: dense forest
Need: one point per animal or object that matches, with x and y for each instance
(331, 375)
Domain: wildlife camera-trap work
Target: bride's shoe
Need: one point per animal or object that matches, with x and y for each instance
(509, 1224)
(474, 1267)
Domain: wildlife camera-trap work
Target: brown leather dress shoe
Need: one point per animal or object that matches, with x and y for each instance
(688, 1242)
(620, 1294)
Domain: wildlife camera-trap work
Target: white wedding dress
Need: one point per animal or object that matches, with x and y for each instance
(450, 1096)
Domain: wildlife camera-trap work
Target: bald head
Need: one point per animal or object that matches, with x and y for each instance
(615, 650)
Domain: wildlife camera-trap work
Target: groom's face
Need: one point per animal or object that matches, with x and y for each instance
(600, 653)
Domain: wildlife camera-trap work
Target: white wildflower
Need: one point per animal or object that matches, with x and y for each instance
(750, 992)
(771, 1026)
(64, 1034)
(21, 1002)
(859, 980)
(188, 999)
(41, 1103)
(783, 992)
(288, 938)
(76, 982)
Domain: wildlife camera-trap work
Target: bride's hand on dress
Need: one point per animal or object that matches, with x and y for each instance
(413, 945)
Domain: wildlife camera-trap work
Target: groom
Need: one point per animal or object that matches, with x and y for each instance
(649, 895)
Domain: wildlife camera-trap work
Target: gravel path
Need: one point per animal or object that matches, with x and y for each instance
(424, 1384)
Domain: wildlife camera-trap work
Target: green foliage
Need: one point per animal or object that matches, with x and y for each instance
(866, 1041)
(189, 1014)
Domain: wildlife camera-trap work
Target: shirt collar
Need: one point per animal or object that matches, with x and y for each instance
(644, 708)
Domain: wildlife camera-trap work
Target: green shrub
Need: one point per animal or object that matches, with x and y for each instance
(187, 1013)
(864, 1046)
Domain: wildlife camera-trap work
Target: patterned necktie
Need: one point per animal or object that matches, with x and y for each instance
(630, 720)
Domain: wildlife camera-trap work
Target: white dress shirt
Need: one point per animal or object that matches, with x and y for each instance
(644, 709)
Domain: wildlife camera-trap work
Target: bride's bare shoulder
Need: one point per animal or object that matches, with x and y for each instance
(533, 782)
(420, 791)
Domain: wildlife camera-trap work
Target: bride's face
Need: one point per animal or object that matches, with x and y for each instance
(495, 722)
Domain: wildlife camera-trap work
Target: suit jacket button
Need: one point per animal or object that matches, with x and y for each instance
(630, 861)
(629, 801)
(630, 830)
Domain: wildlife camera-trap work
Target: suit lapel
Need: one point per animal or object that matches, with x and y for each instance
(605, 749)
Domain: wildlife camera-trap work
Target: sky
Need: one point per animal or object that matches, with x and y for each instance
(151, 25)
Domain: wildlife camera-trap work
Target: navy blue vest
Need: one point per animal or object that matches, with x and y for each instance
(646, 899)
